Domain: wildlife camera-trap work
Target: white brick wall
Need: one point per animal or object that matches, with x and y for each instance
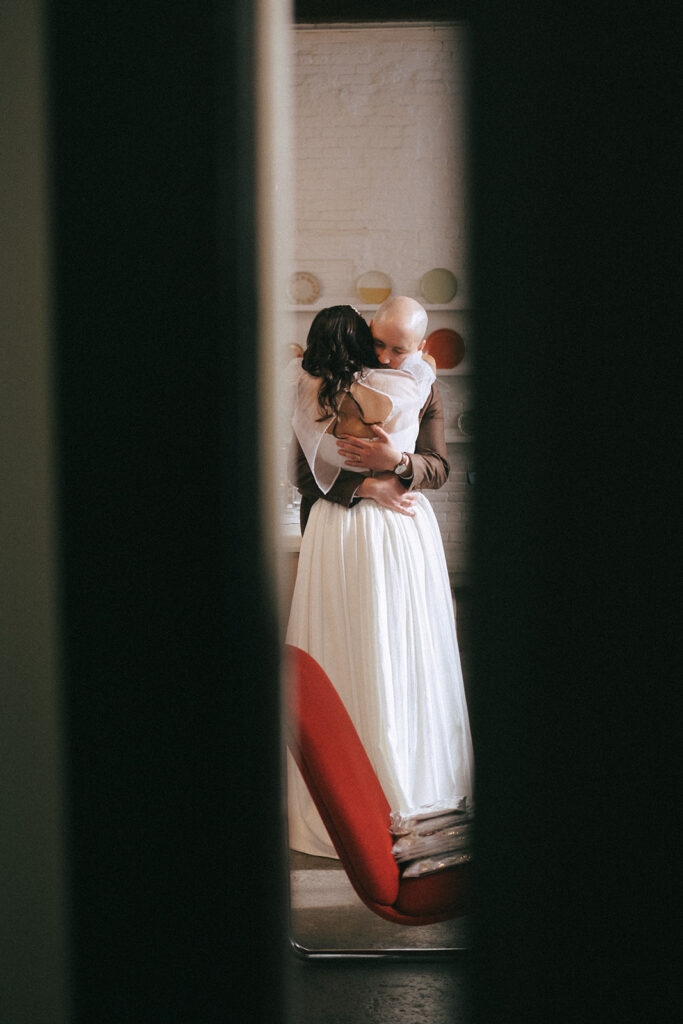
(380, 154)
(379, 162)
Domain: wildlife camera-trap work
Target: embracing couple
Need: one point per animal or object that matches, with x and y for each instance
(372, 600)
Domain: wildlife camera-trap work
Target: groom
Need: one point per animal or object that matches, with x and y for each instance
(398, 328)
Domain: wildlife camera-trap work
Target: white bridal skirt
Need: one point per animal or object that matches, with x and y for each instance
(372, 604)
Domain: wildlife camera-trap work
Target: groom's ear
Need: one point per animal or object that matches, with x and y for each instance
(422, 345)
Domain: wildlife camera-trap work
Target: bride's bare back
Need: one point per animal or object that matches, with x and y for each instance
(359, 408)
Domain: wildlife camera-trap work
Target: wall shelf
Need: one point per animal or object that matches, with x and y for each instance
(315, 307)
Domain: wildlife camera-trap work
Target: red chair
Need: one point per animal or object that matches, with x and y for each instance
(347, 793)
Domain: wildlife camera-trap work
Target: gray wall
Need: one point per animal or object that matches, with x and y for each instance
(34, 954)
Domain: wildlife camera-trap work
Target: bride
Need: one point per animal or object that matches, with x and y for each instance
(372, 600)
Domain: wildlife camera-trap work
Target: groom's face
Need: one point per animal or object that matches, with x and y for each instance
(392, 344)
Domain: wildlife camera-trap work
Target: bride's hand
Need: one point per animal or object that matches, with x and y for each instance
(378, 454)
(388, 491)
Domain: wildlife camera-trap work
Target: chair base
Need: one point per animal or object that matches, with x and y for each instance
(413, 953)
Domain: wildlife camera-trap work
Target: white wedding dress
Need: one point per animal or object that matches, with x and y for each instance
(372, 604)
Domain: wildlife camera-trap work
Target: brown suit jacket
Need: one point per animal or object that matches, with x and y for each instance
(429, 461)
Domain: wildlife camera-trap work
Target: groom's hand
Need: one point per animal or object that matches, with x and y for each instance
(388, 491)
(378, 453)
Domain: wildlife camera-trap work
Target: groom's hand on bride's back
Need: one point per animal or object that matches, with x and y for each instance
(388, 491)
(379, 453)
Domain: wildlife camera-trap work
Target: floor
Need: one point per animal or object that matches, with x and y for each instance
(369, 993)
(326, 915)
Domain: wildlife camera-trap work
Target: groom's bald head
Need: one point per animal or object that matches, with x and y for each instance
(399, 328)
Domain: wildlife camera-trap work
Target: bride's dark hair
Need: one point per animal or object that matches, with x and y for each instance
(339, 344)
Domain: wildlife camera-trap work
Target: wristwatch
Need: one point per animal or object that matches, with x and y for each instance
(401, 466)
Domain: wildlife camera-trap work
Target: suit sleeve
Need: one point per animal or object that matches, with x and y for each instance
(430, 459)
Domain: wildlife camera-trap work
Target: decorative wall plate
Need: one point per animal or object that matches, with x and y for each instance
(304, 288)
(446, 346)
(373, 287)
(438, 285)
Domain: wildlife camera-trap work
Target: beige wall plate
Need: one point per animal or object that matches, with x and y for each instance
(438, 285)
(373, 287)
(304, 288)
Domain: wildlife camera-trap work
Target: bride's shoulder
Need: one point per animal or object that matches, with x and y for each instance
(415, 371)
(419, 369)
(293, 371)
(298, 379)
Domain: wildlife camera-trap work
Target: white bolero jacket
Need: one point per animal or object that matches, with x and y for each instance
(407, 389)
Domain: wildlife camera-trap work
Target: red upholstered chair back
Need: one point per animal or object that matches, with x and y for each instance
(325, 745)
